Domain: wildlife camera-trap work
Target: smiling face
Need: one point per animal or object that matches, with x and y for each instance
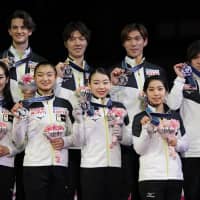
(100, 85)
(134, 44)
(155, 93)
(19, 32)
(76, 45)
(45, 78)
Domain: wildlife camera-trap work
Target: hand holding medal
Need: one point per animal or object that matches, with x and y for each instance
(187, 73)
(84, 95)
(123, 77)
(67, 70)
(19, 111)
(119, 76)
(9, 61)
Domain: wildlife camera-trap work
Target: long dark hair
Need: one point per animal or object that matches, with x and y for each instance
(8, 100)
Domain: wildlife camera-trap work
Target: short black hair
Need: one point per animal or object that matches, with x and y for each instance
(100, 70)
(153, 78)
(44, 63)
(133, 27)
(76, 26)
(193, 50)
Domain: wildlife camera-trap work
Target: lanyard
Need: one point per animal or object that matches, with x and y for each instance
(27, 102)
(22, 61)
(155, 116)
(132, 69)
(108, 105)
(93, 106)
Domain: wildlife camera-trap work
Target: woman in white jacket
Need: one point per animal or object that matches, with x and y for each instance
(43, 132)
(94, 132)
(7, 149)
(158, 136)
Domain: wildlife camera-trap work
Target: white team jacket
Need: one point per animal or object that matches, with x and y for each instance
(6, 118)
(94, 137)
(156, 163)
(190, 113)
(29, 132)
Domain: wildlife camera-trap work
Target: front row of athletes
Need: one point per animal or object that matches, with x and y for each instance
(45, 134)
(46, 154)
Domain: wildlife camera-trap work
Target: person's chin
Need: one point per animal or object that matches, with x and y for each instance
(46, 89)
(100, 97)
(154, 104)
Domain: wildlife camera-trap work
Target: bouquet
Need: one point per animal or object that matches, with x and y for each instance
(27, 83)
(54, 131)
(167, 129)
(3, 129)
(115, 121)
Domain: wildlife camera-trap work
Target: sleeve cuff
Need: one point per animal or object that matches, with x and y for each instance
(67, 141)
(180, 80)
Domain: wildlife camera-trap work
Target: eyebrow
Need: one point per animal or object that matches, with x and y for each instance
(102, 80)
(45, 72)
(156, 87)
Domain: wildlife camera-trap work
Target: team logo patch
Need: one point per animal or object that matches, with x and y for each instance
(38, 112)
(152, 72)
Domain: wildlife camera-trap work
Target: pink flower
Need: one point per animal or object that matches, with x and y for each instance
(168, 126)
(48, 128)
(174, 124)
(3, 125)
(168, 129)
(27, 83)
(117, 112)
(54, 130)
(115, 118)
(27, 79)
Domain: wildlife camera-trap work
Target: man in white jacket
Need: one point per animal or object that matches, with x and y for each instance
(186, 97)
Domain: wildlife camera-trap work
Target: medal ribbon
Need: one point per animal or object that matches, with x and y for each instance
(27, 102)
(155, 116)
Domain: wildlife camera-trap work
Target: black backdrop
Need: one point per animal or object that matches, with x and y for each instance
(171, 28)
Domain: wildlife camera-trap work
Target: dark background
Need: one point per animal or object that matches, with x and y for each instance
(171, 28)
